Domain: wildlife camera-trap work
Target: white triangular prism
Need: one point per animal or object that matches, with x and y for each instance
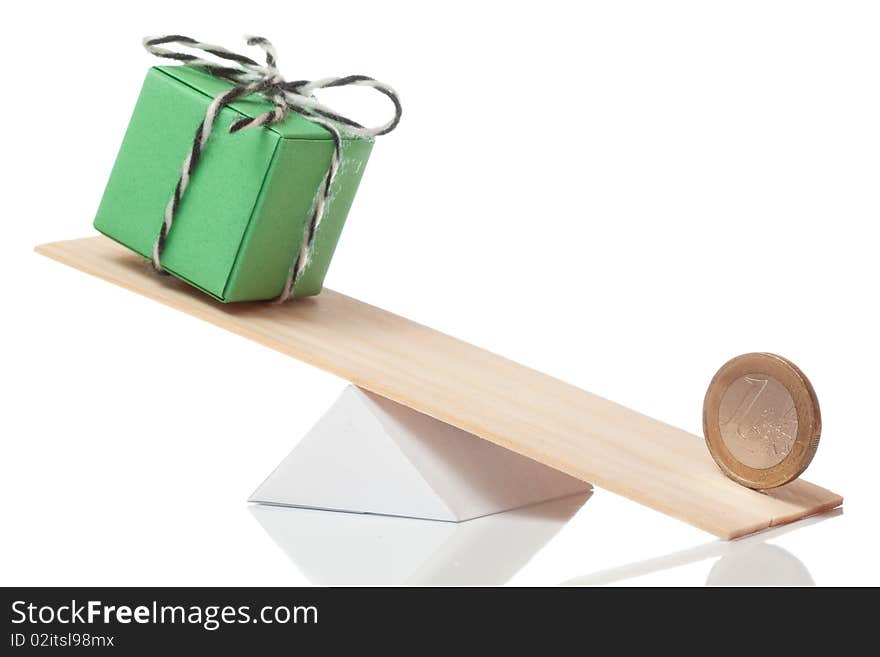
(371, 455)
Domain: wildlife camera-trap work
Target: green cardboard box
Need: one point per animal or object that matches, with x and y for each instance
(242, 218)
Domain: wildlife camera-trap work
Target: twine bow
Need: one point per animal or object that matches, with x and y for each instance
(250, 77)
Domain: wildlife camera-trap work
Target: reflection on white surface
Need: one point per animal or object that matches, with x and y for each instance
(759, 565)
(749, 561)
(333, 548)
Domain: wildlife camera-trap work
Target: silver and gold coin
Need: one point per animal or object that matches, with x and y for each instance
(761, 420)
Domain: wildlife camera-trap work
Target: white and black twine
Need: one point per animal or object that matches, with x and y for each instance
(250, 77)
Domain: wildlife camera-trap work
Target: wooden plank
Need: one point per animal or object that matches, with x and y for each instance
(494, 398)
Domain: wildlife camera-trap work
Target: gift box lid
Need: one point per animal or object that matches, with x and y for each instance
(293, 127)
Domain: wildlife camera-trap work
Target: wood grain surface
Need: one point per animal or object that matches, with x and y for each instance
(494, 398)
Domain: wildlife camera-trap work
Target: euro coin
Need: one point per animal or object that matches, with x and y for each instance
(761, 420)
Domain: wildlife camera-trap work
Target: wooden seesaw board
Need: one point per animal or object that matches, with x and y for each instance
(499, 400)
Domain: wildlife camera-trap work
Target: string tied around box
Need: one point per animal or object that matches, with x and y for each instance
(250, 77)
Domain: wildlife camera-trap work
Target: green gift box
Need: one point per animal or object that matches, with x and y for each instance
(241, 221)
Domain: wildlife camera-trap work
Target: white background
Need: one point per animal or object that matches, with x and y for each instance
(621, 194)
